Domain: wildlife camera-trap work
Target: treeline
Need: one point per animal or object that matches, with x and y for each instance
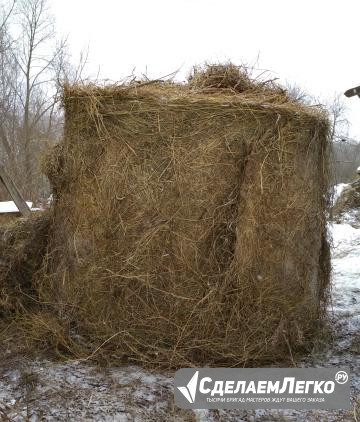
(34, 62)
(345, 160)
(345, 152)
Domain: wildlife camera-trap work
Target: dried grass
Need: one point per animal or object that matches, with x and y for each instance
(189, 225)
(237, 79)
(23, 244)
(349, 200)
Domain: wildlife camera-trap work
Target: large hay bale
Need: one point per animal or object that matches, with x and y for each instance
(189, 224)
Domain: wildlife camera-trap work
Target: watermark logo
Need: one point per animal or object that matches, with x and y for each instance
(262, 388)
(341, 377)
(189, 391)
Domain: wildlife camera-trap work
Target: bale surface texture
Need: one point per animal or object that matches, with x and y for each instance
(189, 225)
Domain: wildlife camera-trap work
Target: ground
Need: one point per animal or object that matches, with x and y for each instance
(78, 391)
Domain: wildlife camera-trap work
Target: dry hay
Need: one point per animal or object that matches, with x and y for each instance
(23, 244)
(189, 225)
(236, 79)
(8, 218)
(348, 200)
(221, 77)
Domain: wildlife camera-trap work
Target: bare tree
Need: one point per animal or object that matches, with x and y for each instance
(36, 55)
(346, 157)
(7, 80)
(339, 122)
(34, 64)
(345, 151)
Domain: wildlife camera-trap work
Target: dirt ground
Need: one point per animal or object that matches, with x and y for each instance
(41, 390)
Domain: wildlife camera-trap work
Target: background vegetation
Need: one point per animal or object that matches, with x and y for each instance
(35, 62)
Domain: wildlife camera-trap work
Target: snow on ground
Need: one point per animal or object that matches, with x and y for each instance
(338, 190)
(346, 273)
(9, 206)
(78, 391)
(75, 391)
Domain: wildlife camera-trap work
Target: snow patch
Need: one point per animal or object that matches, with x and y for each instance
(338, 190)
(346, 274)
(10, 206)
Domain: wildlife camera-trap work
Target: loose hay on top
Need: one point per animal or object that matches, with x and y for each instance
(189, 225)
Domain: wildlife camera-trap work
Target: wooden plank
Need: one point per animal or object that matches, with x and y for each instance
(352, 91)
(14, 193)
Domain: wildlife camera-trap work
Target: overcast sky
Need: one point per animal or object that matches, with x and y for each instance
(312, 43)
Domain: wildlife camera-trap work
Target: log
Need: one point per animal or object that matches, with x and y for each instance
(14, 193)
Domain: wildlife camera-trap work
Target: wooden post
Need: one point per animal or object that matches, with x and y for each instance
(14, 193)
